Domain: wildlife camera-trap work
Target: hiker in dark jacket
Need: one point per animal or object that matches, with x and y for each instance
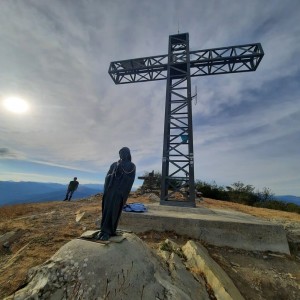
(72, 187)
(117, 186)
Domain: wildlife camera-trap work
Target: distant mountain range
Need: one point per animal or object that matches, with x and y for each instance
(25, 192)
(12, 192)
(289, 199)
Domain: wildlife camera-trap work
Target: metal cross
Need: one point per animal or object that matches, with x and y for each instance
(177, 67)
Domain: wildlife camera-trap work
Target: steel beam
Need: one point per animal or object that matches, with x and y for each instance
(178, 186)
(225, 60)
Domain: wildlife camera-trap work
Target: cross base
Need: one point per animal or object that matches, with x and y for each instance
(178, 203)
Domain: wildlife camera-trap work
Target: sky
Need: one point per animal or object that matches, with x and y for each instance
(55, 55)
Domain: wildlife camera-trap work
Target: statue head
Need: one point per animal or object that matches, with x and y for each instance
(125, 154)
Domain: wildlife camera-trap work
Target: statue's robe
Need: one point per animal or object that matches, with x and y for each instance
(118, 183)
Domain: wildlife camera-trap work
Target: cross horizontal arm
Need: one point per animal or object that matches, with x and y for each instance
(224, 60)
(139, 69)
(215, 61)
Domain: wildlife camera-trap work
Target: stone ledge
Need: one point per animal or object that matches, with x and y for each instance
(232, 229)
(223, 287)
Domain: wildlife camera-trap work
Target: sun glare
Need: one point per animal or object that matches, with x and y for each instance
(16, 105)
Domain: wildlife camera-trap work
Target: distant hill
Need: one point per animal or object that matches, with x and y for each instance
(24, 192)
(289, 199)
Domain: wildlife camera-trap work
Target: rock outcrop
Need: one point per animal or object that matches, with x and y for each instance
(84, 269)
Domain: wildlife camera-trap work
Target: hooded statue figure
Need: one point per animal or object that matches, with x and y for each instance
(117, 186)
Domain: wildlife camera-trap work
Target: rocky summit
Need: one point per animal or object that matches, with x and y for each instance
(83, 269)
(43, 254)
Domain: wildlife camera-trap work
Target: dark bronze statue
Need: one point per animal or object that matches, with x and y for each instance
(117, 186)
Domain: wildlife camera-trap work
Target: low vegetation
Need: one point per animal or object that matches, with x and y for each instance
(245, 194)
(238, 192)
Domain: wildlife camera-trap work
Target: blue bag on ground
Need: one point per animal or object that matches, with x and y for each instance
(135, 207)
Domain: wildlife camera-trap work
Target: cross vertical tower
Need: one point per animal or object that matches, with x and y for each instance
(178, 153)
(177, 67)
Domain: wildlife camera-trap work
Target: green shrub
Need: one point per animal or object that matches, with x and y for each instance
(240, 193)
(244, 194)
(212, 190)
(279, 205)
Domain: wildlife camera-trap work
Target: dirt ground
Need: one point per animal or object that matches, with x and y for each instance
(39, 230)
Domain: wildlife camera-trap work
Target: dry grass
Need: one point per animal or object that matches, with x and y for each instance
(255, 211)
(42, 229)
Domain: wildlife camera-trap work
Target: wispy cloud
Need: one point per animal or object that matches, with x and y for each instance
(56, 55)
(5, 152)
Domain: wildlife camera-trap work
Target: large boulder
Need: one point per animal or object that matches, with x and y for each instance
(83, 269)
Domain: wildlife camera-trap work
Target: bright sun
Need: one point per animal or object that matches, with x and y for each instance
(16, 105)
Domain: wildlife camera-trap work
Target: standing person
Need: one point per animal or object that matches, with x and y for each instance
(117, 186)
(72, 187)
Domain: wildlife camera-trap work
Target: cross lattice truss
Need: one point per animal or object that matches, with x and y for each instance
(178, 162)
(178, 159)
(223, 60)
(177, 67)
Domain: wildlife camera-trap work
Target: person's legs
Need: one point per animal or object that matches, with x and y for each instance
(71, 194)
(67, 195)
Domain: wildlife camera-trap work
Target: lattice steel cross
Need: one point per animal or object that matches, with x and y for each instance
(177, 67)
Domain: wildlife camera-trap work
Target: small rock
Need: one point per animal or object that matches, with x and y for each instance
(234, 264)
(291, 276)
(276, 255)
(79, 216)
(6, 245)
(7, 236)
(153, 197)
